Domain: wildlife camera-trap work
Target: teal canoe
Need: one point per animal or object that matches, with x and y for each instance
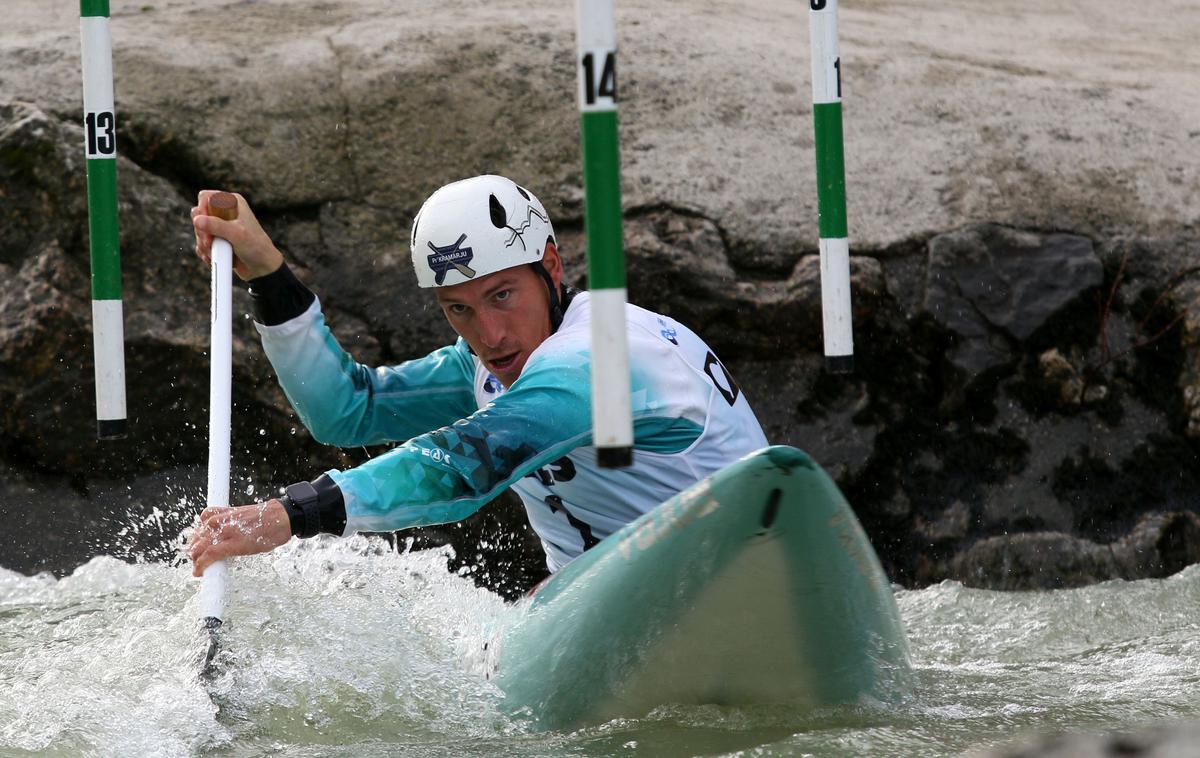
(756, 585)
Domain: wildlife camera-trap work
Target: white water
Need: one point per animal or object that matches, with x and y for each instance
(341, 647)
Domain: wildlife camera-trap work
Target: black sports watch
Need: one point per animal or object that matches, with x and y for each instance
(300, 502)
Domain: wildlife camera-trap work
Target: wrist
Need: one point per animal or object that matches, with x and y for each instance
(279, 297)
(269, 266)
(314, 507)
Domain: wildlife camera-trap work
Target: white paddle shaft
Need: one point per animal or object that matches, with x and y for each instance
(212, 585)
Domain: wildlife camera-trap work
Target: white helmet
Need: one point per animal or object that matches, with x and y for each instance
(475, 227)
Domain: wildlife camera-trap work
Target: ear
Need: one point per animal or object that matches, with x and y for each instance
(552, 262)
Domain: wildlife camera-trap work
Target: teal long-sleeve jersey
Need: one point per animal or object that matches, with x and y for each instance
(467, 437)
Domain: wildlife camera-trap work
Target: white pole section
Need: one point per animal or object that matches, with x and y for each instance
(831, 186)
(104, 239)
(612, 419)
(212, 583)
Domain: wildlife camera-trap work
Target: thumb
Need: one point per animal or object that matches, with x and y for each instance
(214, 510)
(230, 231)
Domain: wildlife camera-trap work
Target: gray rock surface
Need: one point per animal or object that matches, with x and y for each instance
(1160, 545)
(994, 288)
(1022, 186)
(1161, 741)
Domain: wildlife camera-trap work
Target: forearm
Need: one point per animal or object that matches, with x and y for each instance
(448, 474)
(339, 400)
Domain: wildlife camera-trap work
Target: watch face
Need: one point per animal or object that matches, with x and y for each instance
(302, 493)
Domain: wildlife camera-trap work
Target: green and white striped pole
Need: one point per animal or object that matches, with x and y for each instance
(612, 421)
(831, 186)
(100, 126)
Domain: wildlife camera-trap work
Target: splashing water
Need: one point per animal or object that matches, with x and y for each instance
(344, 647)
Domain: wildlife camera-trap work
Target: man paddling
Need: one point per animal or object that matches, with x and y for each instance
(507, 405)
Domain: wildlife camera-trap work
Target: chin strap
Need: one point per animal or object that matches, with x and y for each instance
(558, 300)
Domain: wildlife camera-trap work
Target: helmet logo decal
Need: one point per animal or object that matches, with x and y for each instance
(451, 257)
(518, 234)
(500, 220)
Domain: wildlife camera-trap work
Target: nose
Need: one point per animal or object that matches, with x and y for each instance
(491, 328)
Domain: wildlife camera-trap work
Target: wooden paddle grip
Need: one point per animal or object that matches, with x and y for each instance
(223, 205)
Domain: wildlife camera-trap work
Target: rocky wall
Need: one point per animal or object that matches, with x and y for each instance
(1025, 410)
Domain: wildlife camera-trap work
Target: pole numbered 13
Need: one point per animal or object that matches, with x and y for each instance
(100, 144)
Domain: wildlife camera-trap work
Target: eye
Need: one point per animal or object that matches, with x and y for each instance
(503, 295)
(456, 308)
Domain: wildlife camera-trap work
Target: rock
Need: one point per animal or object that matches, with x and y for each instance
(1191, 400)
(993, 288)
(678, 265)
(1036, 560)
(1095, 393)
(1160, 545)
(47, 391)
(338, 120)
(952, 524)
(1188, 297)
(1060, 375)
(1162, 741)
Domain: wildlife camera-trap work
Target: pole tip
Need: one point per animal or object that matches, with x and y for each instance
(614, 457)
(223, 205)
(839, 364)
(111, 429)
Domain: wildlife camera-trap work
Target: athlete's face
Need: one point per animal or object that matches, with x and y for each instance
(503, 316)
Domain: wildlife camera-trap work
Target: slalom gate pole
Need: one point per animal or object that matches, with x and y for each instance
(831, 186)
(612, 420)
(100, 144)
(212, 583)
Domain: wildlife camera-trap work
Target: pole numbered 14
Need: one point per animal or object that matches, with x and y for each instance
(596, 58)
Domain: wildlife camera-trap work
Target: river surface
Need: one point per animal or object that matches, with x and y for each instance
(343, 647)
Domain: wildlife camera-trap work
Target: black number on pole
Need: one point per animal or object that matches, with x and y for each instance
(106, 143)
(101, 133)
(589, 79)
(817, 5)
(585, 530)
(731, 393)
(607, 86)
(608, 77)
(837, 66)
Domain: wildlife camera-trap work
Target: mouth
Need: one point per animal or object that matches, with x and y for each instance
(503, 362)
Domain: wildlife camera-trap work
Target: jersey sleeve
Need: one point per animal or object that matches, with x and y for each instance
(448, 474)
(345, 403)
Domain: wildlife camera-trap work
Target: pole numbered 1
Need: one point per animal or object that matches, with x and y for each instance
(831, 186)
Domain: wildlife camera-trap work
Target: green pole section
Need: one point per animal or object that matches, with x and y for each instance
(602, 188)
(93, 8)
(831, 170)
(103, 229)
